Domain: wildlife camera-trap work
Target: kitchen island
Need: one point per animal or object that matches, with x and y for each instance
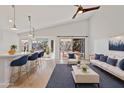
(5, 69)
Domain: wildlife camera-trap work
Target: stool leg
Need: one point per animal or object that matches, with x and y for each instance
(11, 77)
(19, 72)
(34, 64)
(38, 62)
(27, 71)
(30, 67)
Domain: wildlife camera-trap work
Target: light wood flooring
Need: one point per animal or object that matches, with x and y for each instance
(40, 77)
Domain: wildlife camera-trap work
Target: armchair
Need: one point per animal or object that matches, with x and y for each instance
(72, 58)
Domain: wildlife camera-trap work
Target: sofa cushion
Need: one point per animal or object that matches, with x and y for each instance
(121, 64)
(119, 59)
(95, 62)
(103, 58)
(116, 71)
(97, 56)
(112, 61)
(71, 56)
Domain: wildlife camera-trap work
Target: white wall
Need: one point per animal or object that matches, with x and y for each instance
(7, 38)
(77, 28)
(107, 22)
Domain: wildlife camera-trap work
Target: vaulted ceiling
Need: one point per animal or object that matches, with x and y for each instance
(42, 15)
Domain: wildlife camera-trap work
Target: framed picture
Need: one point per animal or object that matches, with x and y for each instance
(116, 44)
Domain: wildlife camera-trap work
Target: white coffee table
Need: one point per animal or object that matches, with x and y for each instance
(85, 77)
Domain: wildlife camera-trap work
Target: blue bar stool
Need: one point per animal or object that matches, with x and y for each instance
(19, 63)
(40, 55)
(33, 60)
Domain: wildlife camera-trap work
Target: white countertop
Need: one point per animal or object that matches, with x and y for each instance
(7, 55)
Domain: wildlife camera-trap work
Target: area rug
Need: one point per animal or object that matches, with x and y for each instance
(62, 78)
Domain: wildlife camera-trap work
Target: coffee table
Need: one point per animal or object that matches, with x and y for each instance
(85, 77)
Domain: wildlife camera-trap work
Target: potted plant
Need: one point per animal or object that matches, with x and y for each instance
(78, 62)
(84, 68)
(12, 50)
(47, 50)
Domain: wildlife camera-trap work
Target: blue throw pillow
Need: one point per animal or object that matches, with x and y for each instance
(97, 56)
(112, 62)
(71, 56)
(121, 64)
(103, 58)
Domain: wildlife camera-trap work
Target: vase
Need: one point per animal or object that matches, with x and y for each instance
(78, 65)
(12, 51)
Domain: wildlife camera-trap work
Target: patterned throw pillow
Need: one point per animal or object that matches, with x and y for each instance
(112, 61)
(103, 58)
(97, 56)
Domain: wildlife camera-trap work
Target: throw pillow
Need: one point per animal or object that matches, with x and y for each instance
(71, 56)
(97, 56)
(103, 58)
(112, 61)
(121, 64)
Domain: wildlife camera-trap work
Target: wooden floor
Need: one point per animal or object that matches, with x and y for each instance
(40, 77)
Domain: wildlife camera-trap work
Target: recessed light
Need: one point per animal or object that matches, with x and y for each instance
(118, 37)
(10, 20)
(14, 29)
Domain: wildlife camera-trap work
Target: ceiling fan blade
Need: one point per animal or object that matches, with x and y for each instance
(77, 5)
(75, 13)
(90, 9)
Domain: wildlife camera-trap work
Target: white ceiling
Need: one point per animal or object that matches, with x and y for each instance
(42, 15)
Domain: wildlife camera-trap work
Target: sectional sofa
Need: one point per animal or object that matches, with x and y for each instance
(109, 64)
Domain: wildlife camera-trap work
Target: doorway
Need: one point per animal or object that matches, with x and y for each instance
(71, 44)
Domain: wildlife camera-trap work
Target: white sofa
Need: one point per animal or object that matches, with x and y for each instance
(114, 70)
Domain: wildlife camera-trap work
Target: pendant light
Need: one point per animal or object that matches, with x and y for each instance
(33, 33)
(30, 33)
(14, 25)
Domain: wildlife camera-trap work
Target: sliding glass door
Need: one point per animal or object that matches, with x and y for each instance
(71, 44)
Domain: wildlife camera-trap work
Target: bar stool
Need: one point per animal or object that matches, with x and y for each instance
(20, 62)
(33, 60)
(40, 55)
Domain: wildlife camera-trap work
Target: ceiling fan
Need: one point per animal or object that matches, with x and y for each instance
(82, 10)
